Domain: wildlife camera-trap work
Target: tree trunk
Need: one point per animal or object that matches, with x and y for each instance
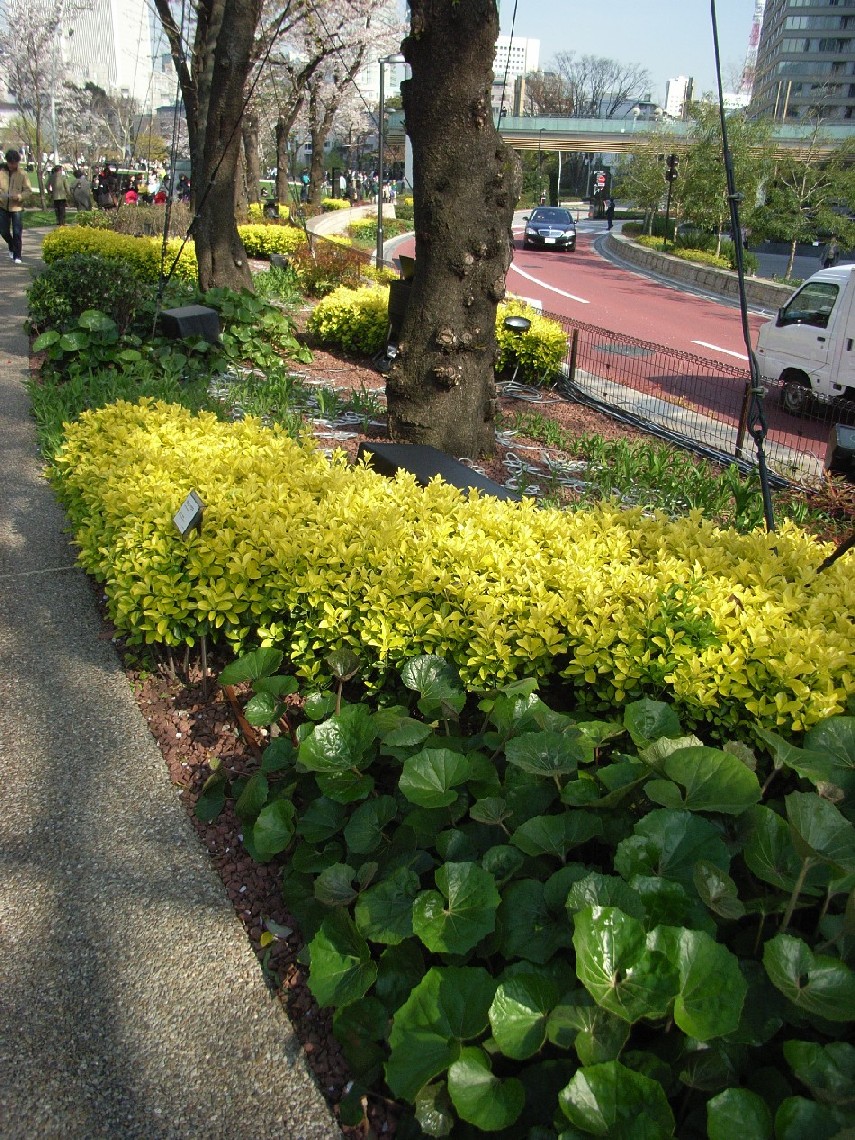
(441, 390)
(251, 157)
(282, 131)
(213, 91)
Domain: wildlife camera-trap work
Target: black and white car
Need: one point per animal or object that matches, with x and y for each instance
(550, 226)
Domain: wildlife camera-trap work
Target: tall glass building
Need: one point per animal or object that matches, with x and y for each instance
(806, 61)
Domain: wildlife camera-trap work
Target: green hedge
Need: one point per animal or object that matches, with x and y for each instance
(317, 556)
(543, 925)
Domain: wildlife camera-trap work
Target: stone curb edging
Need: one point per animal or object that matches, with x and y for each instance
(761, 294)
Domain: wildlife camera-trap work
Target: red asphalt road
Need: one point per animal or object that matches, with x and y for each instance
(588, 288)
(603, 294)
(585, 286)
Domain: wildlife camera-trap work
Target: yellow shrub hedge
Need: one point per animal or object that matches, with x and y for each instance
(315, 555)
(144, 252)
(258, 240)
(262, 240)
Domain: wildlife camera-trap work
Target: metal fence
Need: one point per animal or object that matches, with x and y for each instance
(698, 402)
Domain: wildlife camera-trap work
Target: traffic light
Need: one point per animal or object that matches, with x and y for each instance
(671, 168)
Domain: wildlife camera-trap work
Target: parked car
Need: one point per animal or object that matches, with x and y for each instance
(550, 226)
(809, 345)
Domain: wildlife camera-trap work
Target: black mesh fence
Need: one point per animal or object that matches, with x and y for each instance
(699, 402)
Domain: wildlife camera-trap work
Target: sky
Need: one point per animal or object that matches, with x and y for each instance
(667, 37)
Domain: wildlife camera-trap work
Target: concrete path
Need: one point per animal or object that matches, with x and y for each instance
(131, 1004)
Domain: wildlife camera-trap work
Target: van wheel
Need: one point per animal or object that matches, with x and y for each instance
(795, 396)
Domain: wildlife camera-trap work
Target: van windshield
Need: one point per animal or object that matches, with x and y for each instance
(812, 305)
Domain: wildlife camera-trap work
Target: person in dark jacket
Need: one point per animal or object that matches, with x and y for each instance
(58, 190)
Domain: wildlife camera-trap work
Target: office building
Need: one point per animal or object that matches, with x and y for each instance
(118, 45)
(678, 93)
(806, 62)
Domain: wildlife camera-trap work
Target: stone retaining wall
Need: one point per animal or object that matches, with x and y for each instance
(762, 294)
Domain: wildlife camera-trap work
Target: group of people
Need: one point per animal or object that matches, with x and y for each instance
(106, 190)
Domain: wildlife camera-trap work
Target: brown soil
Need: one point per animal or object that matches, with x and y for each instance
(195, 728)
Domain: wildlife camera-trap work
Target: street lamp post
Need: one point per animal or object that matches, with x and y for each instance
(396, 57)
(539, 167)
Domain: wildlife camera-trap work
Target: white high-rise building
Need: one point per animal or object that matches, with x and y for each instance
(517, 57)
(678, 92)
(120, 46)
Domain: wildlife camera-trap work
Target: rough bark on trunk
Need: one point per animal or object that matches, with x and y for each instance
(251, 157)
(441, 390)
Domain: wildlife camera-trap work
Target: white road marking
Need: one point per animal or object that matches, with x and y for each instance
(551, 288)
(717, 348)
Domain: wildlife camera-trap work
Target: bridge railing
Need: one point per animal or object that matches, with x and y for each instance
(695, 401)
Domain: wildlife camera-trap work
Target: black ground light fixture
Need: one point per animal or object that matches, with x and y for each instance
(517, 326)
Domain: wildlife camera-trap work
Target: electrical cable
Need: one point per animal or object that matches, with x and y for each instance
(756, 417)
(508, 60)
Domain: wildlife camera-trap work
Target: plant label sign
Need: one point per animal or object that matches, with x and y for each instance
(189, 514)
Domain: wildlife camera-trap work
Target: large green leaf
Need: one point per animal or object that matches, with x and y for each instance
(717, 890)
(448, 1006)
(272, 831)
(820, 831)
(479, 1096)
(502, 861)
(604, 890)
(612, 1100)
(321, 820)
(520, 1012)
(827, 1070)
(549, 753)
(828, 754)
(437, 683)
(340, 743)
(399, 970)
(526, 927)
(359, 1027)
(669, 843)
(647, 720)
(345, 787)
(430, 777)
(252, 666)
(212, 798)
(341, 970)
(364, 830)
(770, 853)
(738, 1113)
(334, 885)
(816, 983)
(712, 988)
(261, 709)
(252, 799)
(456, 917)
(592, 1031)
(618, 969)
(556, 834)
(712, 780)
(384, 913)
(800, 1119)
(434, 1111)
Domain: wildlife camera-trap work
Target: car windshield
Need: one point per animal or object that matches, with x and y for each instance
(554, 217)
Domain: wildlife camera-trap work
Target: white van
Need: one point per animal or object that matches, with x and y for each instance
(810, 346)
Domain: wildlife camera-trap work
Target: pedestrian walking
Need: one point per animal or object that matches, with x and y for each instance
(14, 186)
(59, 191)
(81, 192)
(610, 211)
(830, 254)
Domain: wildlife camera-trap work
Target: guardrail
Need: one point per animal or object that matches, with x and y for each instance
(695, 402)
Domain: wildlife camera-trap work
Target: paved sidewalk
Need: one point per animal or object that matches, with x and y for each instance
(131, 1004)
